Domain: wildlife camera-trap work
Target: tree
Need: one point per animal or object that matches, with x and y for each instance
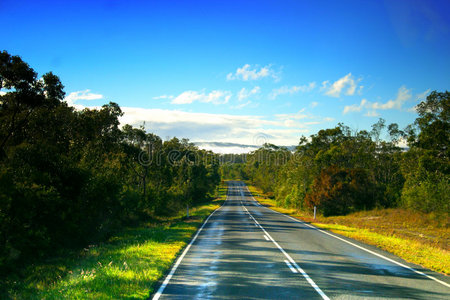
(426, 166)
(338, 191)
(434, 123)
(25, 94)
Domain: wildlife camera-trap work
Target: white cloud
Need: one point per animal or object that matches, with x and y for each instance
(283, 130)
(354, 107)
(215, 97)
(163, 97)
(314, 104)
(290, 123)
(2, 93)
(346, 84)
(73, 97)
(419, 98)
(206, 127)
(292, 90)
(293, 120)
(247, 73)
(403, 95)
(83, 95)
(244, 93)
(224, 148)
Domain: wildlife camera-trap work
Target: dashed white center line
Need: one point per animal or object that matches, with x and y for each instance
(265, 236)
(305, 275)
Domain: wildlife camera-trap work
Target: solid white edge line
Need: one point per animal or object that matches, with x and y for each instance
(306, 276)
(174, 268)
(257, 203)
(290, 267)
(364, 249)
(265, 236)
(374, 253)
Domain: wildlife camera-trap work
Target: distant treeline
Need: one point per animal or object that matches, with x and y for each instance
(342, 171)
(69, 177)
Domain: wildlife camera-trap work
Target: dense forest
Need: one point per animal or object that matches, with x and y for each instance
(70, 177)
(341, 171)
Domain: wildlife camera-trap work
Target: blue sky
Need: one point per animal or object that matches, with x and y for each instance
(242, 72)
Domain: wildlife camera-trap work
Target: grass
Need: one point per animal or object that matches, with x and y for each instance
(418, 238)
(127, 266)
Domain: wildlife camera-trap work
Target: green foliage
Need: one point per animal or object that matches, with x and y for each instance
(434, 124)
(263, 164)
(427, 185)
(342, 171)
(426, 167)
(365, 170)
(71, 177)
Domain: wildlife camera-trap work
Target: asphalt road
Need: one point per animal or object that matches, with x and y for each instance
(247, 251)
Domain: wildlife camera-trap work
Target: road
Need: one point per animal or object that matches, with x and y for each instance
(247, 251)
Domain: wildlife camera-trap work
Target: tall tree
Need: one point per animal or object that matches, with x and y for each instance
(434, 123)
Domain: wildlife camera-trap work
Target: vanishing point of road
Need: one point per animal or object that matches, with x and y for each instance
(247, 251)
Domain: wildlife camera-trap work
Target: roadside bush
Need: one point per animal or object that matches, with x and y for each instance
(339, 191)
(429, 194)
(427, 185)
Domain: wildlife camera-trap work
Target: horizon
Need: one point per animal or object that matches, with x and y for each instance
(237, 75)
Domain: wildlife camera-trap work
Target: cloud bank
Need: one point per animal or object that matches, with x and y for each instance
(206, 127)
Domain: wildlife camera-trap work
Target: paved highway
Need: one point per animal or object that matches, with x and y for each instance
(247, 251)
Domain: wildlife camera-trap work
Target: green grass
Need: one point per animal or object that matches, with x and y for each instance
(127, 266)
(418, 238)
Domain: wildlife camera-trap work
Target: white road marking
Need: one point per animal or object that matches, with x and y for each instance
(251, 195)
(372, 252)
(364, 249)
(265, 236)
(290, 266)
(174, 268)
(310, 281)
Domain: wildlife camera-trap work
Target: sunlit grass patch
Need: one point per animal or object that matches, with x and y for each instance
(127, 266)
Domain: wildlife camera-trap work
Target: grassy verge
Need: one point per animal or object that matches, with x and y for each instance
(127, 266)
(418, 238)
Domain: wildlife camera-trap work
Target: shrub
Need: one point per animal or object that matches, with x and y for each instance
(338, 191)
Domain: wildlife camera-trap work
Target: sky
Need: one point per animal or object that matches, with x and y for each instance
(232, 75)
